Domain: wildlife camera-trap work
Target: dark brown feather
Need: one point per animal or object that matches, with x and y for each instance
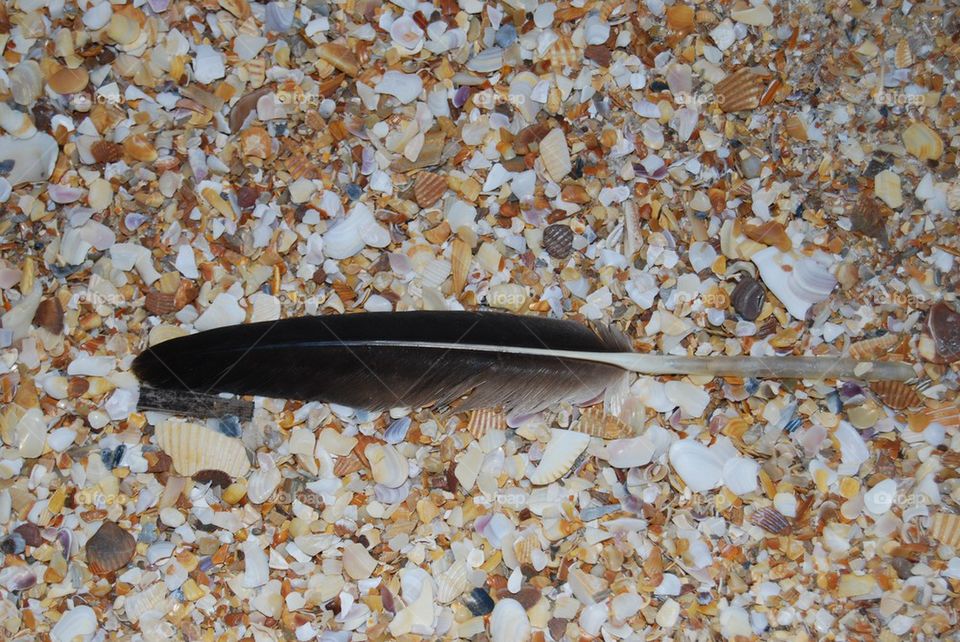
(366, 360)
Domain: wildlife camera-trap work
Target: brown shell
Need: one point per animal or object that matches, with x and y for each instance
(340, 57)
(105, 151)
(740, 91)
(345, 465)
(69, 81)
(869, 349)
(943, 327)
(558, 240)
(596, 423)
(748, 298)
(428, 188)
(109, 549)
(562, 54)
(896, 394)
(770, 520)
(49, 315)
(947, 415)
(484, 419)
(216, 478)
(945, 528)
(160, 303)
(460, 258)
(902, 56)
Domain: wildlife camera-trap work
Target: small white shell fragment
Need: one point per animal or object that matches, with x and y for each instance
(561, 452)
(740, 475)
(798, 281)
(357, 561)
(256, 570)
(403, 87)
(349, 235)
(264, 480)
(698, 466)
(509, 622)
(630, 453)
(31, 160)
(225, 310)
(691, 399)
(555, 154)
(879, 499)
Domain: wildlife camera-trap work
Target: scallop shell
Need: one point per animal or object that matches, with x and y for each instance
(563, 449)
(740, 91)
(596, 423)
(869, 349)
(460, 258)
(922, 142)
(109, 549)
(555, 154)
(770, 520)
(152, 598)
(945, 528)
(194, 447)
(69, 81)
(558, 240)
(562, 54)
(525, 547)
(485, 419)
(896, 394)
(387, 465)
(264, 480)
(452, 583)
(509, 622)
(428, 188)
(902, 56)
(347, 465)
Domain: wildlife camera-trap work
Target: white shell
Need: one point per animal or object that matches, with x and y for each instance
(561, 452)
(403, 87)
(630, 453)
(263, 481)
(555, 154)
(33, 159)
(16, 123)
(194, 447)
(698, 467)
(509, 622)
(26, 82)
(387, 465)
(349, 235)
(152, 598)
(740, 475)
(452, 583)
(406, 33)
(807, 281)
(76, 624)
(879, 499)
(256, 571)
(225, 310)
(357, 561)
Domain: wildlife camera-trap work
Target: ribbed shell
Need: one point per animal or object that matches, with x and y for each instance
(483, 420)
(945, 528)
(740, 91)
(194, 447)
(428, 188)
(109, 549)
(896, 394)
(869, 349)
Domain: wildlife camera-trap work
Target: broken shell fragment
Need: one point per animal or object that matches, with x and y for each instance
(194, 447)
(563, 449)
(940, 341)
(555, 154)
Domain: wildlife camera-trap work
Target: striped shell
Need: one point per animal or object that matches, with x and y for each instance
(460, 258)
(740, 91)
(596, 423)
(109, 549)
(770, 520)
(947, 415)
(902, 56)
(152, 598)
(256, 70)
(194, 447)
(524, 548)
(483, 420)
(452, 583)
(561, 453)
(945, 528)
(562, 54)
(105, 151)
(555, 154)
(346, 465)
(875, 348)
(896, 394)
(428, 188)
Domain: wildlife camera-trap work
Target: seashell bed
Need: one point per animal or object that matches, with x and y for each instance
(713, 178)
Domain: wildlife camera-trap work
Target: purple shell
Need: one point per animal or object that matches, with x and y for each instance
(461, 96)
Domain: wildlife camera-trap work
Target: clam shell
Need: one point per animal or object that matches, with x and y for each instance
(698, 466)
(748, 298)
(596, 423)
(630, 453)
(406, 33)
(896, 394)
(487, 61)
(340, 57)
(770, 520)
(79, 623)
(194, 447)
(485, 419)
(428, 188)
(869, 349)
(509, 622)
(26, 82)
(264, 480)
(555, 154)
(109, 549)
(152, 598)
(387, 465)
(740, 91)
(558, 240)
(945, 528)
(452, 583)
(563, 449)
(797, 280)
(69, 81)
